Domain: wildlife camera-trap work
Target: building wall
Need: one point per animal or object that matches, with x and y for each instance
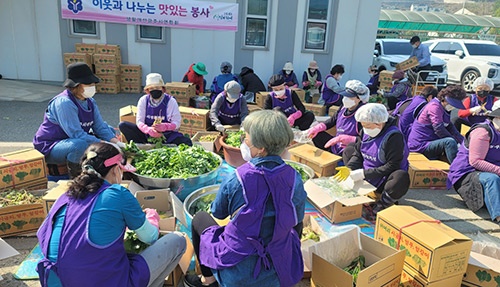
(32, 49)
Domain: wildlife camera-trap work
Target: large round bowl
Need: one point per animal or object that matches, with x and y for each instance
(196, 195)
(307, 169)
(182, 187)
(232, 155)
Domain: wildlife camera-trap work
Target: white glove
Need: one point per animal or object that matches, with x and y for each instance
(380, 92)
(475, 110)
(120, 145)
(220, 128)
(357, 175)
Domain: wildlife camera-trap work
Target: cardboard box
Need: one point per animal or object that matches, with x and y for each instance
(339, 210)
(384, 267)
(106, 59)
(333, 110)
(85, 48)
(107, 70)
(208, 145)
(410, 278)
(415, 156)
(195, 118)
(54, 193)
(70, 58)
(260, 98)
(323, 162)
(306, 246)
(189, 131)
(385, 80)
(131, 70)
(482, 270)
(108, 49)
(109, 79)
(128, 114)
(20, 219)
(428, 173)
(108, 88)
(181, 90)
(38, 184)
(22, 168)
(433, 250)
(317, 110)
(315, 98)
(407, 64)
(131, 88)
(130, 79)
(300, 93)
(253, 108)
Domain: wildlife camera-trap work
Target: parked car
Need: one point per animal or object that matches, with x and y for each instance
(390, 52)
(468, 59)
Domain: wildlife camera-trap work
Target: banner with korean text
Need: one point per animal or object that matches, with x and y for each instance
(166, 13)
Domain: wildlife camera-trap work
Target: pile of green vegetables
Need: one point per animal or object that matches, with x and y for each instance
(18, 197)
(175, 162)
(132, 243)
(208, 138)
(308, 233)
(355, 267)
(202, 204)
(300, 170)
(235, 138)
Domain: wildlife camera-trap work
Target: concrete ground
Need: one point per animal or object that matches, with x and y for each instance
(22, 104)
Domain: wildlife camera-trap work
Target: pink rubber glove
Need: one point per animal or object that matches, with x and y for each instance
(344, 140)
(293, 117)
(164, 127)
(318, 83)
(153, 217)
(305, 84)
(313, 132)
(149, 130)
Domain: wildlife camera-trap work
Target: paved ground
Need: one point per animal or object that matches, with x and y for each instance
(22, 105)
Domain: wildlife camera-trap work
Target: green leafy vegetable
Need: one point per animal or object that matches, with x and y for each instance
(202, 204)
(355, 267)
(300, 170)
(308, 233)
(17, 197)
(208, 138)
(234, 139)
(158, 142)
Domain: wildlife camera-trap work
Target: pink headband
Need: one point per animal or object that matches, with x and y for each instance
(117, 159)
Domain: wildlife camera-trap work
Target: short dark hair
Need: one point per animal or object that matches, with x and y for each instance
(453, 92)
(429, 91)
(337, 69)
(414, 39)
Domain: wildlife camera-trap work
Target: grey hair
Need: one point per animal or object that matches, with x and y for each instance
(268, 129)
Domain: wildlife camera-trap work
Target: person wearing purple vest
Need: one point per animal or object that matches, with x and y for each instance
(408, 110)
(285, 100)
(475, 172)
(82, 237)
(379, 156)
(476, 106)
(157, 116)
(355, 95)
(229, 108)
(432, 133)
(330, 93)
(400, 91)
(72, 121)
(265, 200)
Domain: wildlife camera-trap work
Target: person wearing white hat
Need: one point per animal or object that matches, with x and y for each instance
(379, 156)
(475, 172)
(157, 116)
(355, 95)
(289, 75)
(311, 81)
(220, 80)
(229, 108)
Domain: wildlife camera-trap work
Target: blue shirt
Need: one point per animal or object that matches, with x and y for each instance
(227, 202)
(423, 55)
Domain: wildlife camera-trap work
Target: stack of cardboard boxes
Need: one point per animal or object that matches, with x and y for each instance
(131, 79)
(425, 173)
(181, 91)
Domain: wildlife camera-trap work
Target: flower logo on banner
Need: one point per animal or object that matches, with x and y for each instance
(75, 5)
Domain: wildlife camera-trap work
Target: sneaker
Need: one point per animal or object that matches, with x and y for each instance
(370, 210)
(195, 281)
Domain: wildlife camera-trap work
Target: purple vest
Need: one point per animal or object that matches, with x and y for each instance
(328, 94)
(160, 111)
(81, 262)
(422, 134)
(409, 115)
(346, 125)
(230, 113)
(474, 102)
(222, 247)
(49, 133)
(461, 165)
(286, 105)
(373, 155)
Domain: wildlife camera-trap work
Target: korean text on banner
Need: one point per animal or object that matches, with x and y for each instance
(176, 14)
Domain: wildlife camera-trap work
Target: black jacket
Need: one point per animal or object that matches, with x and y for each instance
(250, 81)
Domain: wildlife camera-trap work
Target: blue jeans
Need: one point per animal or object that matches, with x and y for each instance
(491, 189)
(436, 148)
(67, 150)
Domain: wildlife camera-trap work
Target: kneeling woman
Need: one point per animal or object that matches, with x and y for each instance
(475, 172)
(265, 198)
(82, 236)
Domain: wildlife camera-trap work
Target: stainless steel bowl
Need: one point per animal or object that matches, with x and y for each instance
(196, 195)
(306, 168)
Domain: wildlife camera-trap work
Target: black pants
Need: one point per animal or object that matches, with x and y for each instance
(321, 139)
(201, 221)
(338, 103)
(305, 121)
(392, 102)
(133, 133)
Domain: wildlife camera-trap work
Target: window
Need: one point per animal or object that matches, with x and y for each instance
(150, 34)
(441, 47)
(316, 27)
(256, 23)
(82, 27)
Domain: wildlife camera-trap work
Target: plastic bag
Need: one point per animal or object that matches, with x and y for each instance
(301, 136)
(343, 247)
(486, 244)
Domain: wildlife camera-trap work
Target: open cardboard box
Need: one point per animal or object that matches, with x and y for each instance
(207, 145)
(339, 210)
(482, 270)
(384, 266)
(433, 250)
(311, 223)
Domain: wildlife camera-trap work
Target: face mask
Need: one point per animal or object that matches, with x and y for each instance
(348, 103)
(496, 123)
(288, 72)
(88, 92)
(156, 94)
(279, 93)
(339, 78)
(448, 107)
(372, 132)
(231, 100)
(414, 46)
(246, 153)
(311, 71)
(482, 94)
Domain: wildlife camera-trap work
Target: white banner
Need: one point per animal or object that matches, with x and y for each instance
(165, 13)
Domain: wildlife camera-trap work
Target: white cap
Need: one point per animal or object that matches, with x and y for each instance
(483, 81)
(233, 89)
(154, 79)
(361, 89)
(372, 113)
(288, 66)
